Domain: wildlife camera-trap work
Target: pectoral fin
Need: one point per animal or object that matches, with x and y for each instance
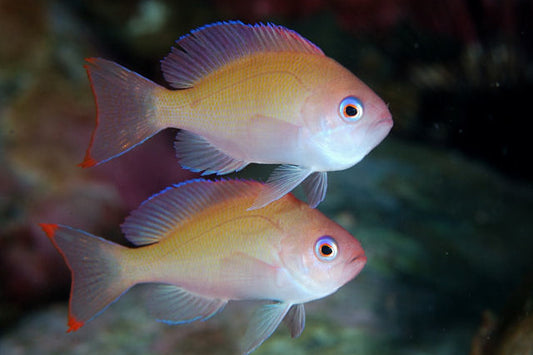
(255, 277)
(264, 322)
(282, 180)
(175, 305)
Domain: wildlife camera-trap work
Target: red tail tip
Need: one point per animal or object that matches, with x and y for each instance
(88, 162)
(74, 324)
(49, 229)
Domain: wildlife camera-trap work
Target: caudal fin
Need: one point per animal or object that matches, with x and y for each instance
(126, 113)
(96, 276)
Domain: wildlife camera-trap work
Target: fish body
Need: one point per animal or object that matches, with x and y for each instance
(200, 248)
(245, 94)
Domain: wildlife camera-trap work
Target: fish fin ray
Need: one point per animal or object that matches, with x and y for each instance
(126, 114)
(264, 322)
(165, 211)
(93, 263)
(295, 320)
(175, 305)
(210, 47)
(282, 180)
(196, 153)
(315, 186)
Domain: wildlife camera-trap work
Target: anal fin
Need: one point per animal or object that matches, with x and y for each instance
(175, 305)
(197, 154)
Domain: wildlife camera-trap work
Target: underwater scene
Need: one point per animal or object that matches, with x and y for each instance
(266, 176)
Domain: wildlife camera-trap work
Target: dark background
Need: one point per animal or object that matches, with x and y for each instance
(457, 76)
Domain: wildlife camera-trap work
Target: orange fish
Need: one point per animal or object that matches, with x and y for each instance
(246, 94)
(200, 248)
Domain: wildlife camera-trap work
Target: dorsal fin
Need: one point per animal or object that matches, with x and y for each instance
(210, 47)
(168, 209)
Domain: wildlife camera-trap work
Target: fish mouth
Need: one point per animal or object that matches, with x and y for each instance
(358, 258)
(384, 121)
(355, 265)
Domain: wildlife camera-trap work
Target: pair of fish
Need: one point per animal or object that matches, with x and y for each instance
(247, 94)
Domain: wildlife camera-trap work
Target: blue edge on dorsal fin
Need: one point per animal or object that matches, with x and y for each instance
(210, 47)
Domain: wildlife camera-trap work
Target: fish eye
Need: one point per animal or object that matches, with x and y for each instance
(326, 248)
(351, 109)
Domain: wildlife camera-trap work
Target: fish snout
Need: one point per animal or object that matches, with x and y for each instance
(385, 122)
(354, 266)
(361, 258)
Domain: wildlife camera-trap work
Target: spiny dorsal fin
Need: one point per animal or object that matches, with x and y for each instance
(210, 47)
(168, 209)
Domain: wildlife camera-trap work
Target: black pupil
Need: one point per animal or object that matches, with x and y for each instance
(351, 110)
(326, 250)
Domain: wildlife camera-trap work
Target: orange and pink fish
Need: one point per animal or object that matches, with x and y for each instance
(244, 94)
(199, 247)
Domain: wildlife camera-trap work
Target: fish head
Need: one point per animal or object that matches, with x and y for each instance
(321, 257)
(343, 119)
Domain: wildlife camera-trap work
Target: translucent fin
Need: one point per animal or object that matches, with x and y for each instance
(197, 154)
(282, 180)
(125, 114)
(210, 47)
(295, 320)
(165, 211)
(174, 305)
(96, 276)
(315, 187)
(264, 322)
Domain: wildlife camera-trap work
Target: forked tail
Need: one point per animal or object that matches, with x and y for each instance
(126, 113)
(97, 279)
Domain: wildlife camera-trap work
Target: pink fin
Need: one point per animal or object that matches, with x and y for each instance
(210, 47)
(166, 211)
(125, 108)
(97, 280)
(174, 305)
(198, 154)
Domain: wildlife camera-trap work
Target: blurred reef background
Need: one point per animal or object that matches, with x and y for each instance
(443, 207)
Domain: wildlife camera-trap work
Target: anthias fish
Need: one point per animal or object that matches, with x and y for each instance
(199, 247)
(245, 94)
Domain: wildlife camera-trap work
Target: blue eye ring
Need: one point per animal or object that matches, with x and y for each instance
(326, 248)
(351, 109)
